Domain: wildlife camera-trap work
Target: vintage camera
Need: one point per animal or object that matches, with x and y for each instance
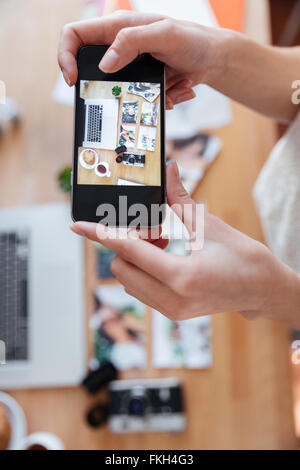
(131, 159)
(146, 405)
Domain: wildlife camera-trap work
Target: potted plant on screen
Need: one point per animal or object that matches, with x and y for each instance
(116, 91)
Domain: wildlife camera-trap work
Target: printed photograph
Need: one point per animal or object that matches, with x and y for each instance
(147, 137)
(149, 91)
(149, 114)
(194, 155)
(130, 111)
(118, 329)
(181, 344)
(104, 260)
(117, 145)
(127, 136)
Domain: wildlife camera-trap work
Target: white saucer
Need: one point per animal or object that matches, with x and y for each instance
(83, 163)
(102, 175)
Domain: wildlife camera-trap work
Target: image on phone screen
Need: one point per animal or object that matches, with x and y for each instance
(121, 136)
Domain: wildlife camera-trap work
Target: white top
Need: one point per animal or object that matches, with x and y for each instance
(277, 196)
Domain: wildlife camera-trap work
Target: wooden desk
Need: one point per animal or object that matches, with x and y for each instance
(244, 400)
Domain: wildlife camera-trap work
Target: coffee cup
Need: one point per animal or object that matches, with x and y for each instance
(41, 441)
(102, 169)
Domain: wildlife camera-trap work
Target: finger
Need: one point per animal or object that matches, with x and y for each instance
(178, 198)
(173, 77)
(191, 214)
(146, 256)
(162, 243)
(178, 94)
(96, 31)
(179, 81)
(169, 103)
(153, 235)
(142, 286)
(149, 233)
(153, 38)
(178, 89)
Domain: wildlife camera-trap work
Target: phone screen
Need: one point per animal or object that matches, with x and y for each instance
(119, 138)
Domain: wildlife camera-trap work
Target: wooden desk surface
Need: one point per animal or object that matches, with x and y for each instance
(244, 400)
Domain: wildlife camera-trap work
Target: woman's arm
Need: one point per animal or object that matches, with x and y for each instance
(258, 76)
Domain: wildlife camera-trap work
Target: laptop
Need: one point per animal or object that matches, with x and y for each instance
(101, 123)
(41, 298)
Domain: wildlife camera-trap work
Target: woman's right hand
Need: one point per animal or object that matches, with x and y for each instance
(186, 48)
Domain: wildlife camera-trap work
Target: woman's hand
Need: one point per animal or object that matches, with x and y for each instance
(232, 272)
(186, 48)
(229, 62)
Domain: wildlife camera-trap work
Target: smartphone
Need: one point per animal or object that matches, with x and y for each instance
(118, 175)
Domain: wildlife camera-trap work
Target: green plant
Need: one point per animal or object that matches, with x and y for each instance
(64, 179)
(116, 91)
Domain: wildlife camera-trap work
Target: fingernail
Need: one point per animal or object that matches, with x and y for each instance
(66, 77)
(176, 170)
(169, 104)
(77, 229)
(189, 95)
(109, 61)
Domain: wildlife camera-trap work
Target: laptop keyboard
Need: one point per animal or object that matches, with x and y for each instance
(14, 294)
(94, 125)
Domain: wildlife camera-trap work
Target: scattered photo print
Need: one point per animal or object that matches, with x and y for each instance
(181, 344)
(149, 114)
(129, 111)
(194, 155)
(127, 136)
(118, 327)
(147, 137)
(104, 259)
(149, 91)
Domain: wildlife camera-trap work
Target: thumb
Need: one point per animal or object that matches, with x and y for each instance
(179, 200)
(132, 41)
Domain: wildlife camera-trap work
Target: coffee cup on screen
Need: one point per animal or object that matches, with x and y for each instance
(102, 169)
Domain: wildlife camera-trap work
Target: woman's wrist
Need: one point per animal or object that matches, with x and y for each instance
(287, 308)
(281, 297)
(270, 288)
(222, 46)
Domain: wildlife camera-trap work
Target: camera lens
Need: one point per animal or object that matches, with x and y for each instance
(137, 406)
(131, 160)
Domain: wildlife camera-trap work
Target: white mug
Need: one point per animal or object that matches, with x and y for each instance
(106, 172)
(45, 440)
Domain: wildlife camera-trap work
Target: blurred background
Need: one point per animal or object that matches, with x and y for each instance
(219, 383)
